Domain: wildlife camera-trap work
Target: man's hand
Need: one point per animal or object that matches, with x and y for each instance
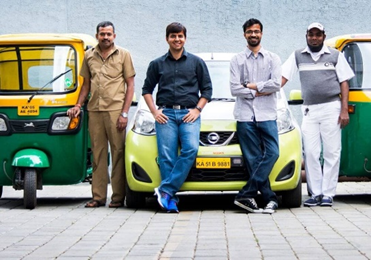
(160, 117)
(343, 119)
(192, 115)
(73, 112)
(121, 123)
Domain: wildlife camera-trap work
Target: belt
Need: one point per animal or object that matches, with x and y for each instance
(176, 107)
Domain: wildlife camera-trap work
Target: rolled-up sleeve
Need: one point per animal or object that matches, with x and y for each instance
(151, 79)
(204, 80)
(273, 84)
(236, 75)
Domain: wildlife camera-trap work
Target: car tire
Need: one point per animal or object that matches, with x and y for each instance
(135, 199)
(292, 198)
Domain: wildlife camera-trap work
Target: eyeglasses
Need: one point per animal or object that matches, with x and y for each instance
(251, 32)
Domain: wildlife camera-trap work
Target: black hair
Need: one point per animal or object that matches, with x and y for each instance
(105, 24)
(176, 28)
(251, 22)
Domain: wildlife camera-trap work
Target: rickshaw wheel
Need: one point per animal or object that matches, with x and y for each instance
(30, 186)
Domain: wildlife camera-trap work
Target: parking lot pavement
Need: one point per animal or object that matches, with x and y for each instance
(208, 227)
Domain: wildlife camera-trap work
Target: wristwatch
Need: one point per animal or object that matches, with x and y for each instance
(199, 108)
(244, 85)
(124, 114)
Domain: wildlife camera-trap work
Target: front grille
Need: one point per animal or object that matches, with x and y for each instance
(218, 138)
(205, 175)
(29, 126)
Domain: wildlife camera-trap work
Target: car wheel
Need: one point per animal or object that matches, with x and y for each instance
(292, 198)
(135, 199)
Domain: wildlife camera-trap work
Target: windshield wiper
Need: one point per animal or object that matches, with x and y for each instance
(54, 79)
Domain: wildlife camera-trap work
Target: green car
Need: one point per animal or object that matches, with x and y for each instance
(219, 165)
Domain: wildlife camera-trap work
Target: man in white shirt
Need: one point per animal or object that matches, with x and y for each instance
(324, 74)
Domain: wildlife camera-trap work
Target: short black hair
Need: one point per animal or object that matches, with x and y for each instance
(176, 28)
(105, 24)
(251, 22)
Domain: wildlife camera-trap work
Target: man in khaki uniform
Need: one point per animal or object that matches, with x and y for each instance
(108, 74)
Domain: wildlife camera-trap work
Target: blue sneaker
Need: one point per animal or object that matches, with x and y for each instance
(326, 201)
(172, 207)
(163, 199)
(313, 201)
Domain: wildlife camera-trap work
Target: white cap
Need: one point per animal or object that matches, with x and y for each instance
(316, 25)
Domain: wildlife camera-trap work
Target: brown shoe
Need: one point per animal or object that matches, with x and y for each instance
(116, 204)
(94, 204)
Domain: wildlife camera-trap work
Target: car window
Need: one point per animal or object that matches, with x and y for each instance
(219, 73)
(358, 55)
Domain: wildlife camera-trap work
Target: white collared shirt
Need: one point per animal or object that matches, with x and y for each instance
(343, 70)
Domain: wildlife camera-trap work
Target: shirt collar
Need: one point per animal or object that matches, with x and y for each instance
(168, 54)
(262, 51)
(322, 51)
(97, 49)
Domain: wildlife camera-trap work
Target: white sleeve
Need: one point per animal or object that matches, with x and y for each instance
(343, 70)
(289, 68)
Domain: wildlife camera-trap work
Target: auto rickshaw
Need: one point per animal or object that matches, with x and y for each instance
(39, 81)
(355, 161)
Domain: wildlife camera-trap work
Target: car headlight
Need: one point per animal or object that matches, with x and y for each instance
(3, 126)
(144, 123)
(284, 121)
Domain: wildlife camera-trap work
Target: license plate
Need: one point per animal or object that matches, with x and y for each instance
(213, 163)
(28, 110)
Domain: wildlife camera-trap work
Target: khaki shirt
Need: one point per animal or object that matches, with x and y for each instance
(107, 78)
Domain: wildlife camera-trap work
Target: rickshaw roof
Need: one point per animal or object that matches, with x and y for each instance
(38, 38)
(339, 41)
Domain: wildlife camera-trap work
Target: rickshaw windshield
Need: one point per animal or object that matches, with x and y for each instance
(358, 55)
(37, 69)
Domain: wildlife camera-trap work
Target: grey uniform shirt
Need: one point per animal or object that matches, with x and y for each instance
(265, 71)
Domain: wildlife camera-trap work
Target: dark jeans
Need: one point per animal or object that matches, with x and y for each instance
(259, 145)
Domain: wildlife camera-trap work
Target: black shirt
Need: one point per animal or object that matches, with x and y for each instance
(179, 81)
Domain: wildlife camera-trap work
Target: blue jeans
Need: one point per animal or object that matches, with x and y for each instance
(259, 145)
(175, 166)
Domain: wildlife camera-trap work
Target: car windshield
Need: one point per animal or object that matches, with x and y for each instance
(219, 73)
(28, 69)
(358, 55)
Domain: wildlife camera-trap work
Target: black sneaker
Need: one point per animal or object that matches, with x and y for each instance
(271, 207)
(313, 201)
(248, 204)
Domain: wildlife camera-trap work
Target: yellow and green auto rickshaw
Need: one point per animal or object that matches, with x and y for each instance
(39, 81)
(356, 137)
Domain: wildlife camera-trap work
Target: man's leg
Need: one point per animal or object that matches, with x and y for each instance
(167, 145)
(189, 136)
(99, 146)
(250, 144)
(269, 137)
(331, 136)
(312, 148)
(117, 144)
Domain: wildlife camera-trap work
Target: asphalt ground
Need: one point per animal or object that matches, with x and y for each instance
(208, 226)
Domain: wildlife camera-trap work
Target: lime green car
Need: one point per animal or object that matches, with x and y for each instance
(219, 165)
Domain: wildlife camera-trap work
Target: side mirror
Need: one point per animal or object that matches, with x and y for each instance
(295, 97)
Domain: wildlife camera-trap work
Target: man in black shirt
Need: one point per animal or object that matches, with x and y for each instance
(180, 76)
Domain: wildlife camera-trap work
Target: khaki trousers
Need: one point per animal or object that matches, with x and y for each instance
(102, 128)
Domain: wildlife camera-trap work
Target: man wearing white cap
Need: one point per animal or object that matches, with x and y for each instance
(324, 74)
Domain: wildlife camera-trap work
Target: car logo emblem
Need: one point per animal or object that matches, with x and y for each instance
(29, 125)
(213, 138)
